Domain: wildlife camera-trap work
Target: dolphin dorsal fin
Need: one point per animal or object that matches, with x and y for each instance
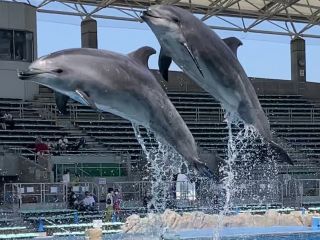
(142, 54)
(233, 43)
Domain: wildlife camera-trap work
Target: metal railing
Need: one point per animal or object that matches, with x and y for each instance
(22, 194)
(291, 114)
(287, 193)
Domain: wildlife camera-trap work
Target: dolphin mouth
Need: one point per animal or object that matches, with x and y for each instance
(30, 73)
(146, 14)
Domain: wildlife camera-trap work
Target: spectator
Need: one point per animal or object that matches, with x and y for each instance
(146, 200)
(53, 147)
(63, 143)
(66, 176)
(109, 204)
(79, 144)
(73, 200)
(88, 203)
(76, 180)
(2, 121)
(116, 206)
(8, 118)
(41, 148)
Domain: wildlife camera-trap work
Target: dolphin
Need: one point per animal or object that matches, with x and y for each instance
(122, 85)
(209, 61)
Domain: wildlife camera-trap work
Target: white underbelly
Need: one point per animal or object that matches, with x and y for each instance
(136, 115)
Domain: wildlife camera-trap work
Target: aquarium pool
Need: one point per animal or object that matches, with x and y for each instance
(236, 233)
(255, 233)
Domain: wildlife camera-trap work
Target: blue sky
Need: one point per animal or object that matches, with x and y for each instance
(265, 56)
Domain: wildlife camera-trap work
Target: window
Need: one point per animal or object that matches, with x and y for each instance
(16, 45)
(6, 45)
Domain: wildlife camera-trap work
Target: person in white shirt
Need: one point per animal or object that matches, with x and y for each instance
(88, 202)
(109, 205)
(63, 143)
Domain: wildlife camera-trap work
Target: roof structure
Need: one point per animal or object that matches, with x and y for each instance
(282, 17)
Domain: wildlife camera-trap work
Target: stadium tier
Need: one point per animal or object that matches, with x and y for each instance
(293, 119)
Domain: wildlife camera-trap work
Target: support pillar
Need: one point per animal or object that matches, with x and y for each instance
(89, 36)
(298, 60)
(128, 165)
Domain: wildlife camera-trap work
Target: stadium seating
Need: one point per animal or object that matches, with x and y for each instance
(293, 118)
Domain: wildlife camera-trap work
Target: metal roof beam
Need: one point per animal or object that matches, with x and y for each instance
(273, 11)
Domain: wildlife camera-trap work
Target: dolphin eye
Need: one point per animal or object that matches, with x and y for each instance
(176, 20)
(59, 70)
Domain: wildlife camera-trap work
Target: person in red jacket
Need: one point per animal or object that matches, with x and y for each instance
(41, 148)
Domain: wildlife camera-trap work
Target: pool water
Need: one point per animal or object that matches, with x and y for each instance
(255, 233)
(236, 233)
(297, 236)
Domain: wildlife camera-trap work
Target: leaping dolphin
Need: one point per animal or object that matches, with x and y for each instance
(122, 85)
(209, 61)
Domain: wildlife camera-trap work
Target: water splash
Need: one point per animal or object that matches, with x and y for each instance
(164, 162)
(239, 138)
(242, 168)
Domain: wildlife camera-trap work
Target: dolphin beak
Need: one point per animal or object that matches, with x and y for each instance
(148, 14)
(27, 74)
(144, 15)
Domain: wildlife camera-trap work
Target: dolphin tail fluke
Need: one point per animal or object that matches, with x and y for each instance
(283, 155)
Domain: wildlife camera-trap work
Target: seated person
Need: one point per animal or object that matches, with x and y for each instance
(2, 121)
(79, 144)
(41, 148)
(88, 203)
(73, 200)
(8, 118)
(63, 143)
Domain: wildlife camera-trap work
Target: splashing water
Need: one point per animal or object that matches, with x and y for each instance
(239, 139)
(237, 143)
(242, 168)
(164, 163)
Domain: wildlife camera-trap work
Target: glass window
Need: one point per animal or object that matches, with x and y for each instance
(16, 45)
(23, 46)
(6, 45)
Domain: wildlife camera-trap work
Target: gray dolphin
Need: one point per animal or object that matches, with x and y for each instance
(209, 61)
(122, 85)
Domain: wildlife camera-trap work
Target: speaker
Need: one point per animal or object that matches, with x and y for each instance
(298, 60)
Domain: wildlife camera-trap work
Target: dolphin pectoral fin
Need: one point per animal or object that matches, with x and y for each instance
(142, 54)
(86, 99)
(233, 43)
(164, 64)
(61, 102)
(283, 155)
(185, 45)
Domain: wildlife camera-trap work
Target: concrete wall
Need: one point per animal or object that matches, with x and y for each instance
(9, 164)
(72, 159)
(31, 172)
(11, 86)
(17, 16)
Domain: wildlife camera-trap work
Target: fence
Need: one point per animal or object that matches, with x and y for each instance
(50, 194)
(287, 193)
(288, 114)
